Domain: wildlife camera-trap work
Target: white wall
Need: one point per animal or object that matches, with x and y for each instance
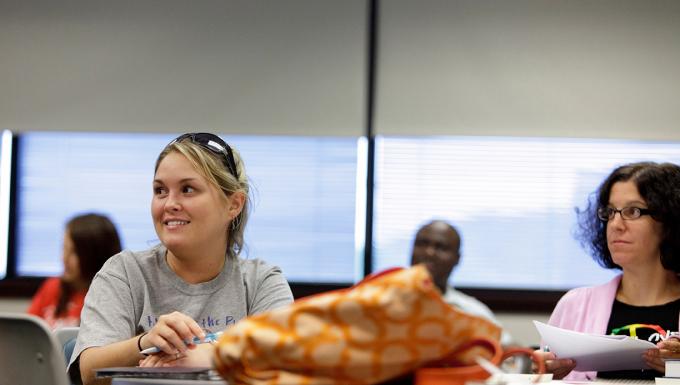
(14, 305)
(521, 327)
(239, 66)
(605, 68)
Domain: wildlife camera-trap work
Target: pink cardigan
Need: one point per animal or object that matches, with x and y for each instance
(587, 310)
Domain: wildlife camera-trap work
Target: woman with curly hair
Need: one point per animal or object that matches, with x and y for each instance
(632, 225)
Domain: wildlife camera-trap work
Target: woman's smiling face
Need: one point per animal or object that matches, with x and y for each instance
(189, 212)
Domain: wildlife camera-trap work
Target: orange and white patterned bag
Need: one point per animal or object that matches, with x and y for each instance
(383, 327)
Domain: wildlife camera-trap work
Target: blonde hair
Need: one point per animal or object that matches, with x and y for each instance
(213, 168)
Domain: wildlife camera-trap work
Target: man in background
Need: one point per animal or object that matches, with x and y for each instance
(437, 246)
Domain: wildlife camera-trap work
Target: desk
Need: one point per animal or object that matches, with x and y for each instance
(165, 381)
(159, 381)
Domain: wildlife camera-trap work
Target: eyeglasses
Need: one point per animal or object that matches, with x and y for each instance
(631, 212)
(213, 143)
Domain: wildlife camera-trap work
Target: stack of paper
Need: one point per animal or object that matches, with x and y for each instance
(672, 376)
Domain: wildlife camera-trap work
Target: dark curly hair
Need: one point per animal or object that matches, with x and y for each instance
(659, 185)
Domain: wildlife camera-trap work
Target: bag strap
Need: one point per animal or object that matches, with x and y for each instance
(451, 360)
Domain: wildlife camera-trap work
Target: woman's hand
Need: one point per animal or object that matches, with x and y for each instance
(558, 367)
(197, 356)
(170, 332)
(669, 348)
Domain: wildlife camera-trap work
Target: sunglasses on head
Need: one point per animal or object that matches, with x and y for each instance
(213, 143)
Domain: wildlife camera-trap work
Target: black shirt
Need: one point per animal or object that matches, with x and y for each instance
(622, 322)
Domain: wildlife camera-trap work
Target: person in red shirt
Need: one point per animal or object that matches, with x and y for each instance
(89, 240)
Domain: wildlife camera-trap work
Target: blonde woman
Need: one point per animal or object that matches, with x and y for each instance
(190, 284)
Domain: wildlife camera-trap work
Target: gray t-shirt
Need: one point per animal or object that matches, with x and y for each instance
(133, 289)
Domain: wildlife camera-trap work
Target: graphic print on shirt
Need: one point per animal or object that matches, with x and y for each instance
(206, 323)
(651, 323)
(656, 333)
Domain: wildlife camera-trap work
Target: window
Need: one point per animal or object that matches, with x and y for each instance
(5, 185)
(512, 199)
(303, 208)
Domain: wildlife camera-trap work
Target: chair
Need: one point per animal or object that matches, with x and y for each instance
(66, 337)
(30, 353)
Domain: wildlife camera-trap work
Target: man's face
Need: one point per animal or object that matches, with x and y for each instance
(436, 246)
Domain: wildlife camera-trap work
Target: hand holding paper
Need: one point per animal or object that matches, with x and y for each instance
(595, 352)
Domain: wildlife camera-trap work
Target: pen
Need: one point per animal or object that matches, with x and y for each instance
(489, 367)
(210, 337)
(497, 375)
